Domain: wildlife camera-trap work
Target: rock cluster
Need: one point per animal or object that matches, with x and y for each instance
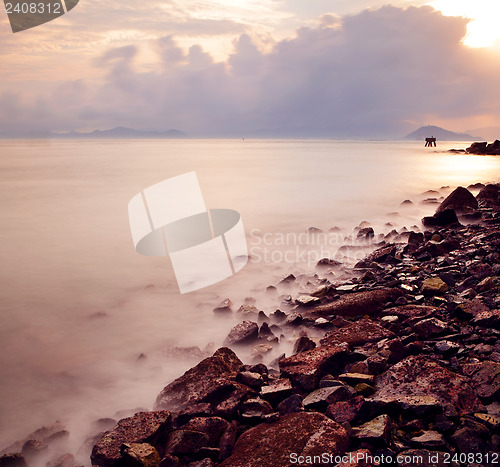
(483, 148)
(402, 361)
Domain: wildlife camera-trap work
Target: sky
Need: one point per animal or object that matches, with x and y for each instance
(236, 68)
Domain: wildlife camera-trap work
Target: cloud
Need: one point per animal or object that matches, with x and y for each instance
(363, 76)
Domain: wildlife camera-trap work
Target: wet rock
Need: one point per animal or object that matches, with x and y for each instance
(306, 368)
(248, 311)
(139, 454)
(460, 199)
(291, 404)
(320, 398)
(307, 300)
(430, 327)
(378, 256)
(213, 427)
(242, 333)
(485, 377)
(407, 312)
(447, 347)
(356, 304)
(225, 307)
(444, 218)
(303, 344)
(228, 440)
(490, 195)
(198, 382)
(472, 436)
(358, 333)
(182, 442)
(306, 434)
(253, 380)
(348, 411)
(434, 286)
(419, 381)
(375, 431)
(429, 439)
(276, 390)
(266, 333)
(364, 389)
(143, 427)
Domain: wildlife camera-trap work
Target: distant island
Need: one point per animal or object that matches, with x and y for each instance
(118, 133)
(440, 134)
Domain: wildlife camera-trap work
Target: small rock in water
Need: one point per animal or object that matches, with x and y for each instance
(242, 333)
(226, 306)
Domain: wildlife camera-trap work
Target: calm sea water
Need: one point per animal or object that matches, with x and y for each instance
(76, 309)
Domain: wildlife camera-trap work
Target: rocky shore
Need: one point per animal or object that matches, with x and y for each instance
(396, 362)
(481, 149)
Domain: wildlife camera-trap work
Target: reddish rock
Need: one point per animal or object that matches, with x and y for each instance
(143, 427)
(347, 411)
(242, 333)
(378, 256)
(306, 368)
(405, 312)
(357, 334)
(485, 377)
(355, 304)
(301, 434)
(213, 427)
(420, 381)
(200, 381)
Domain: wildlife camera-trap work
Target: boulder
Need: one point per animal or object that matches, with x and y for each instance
(293, 439)
(242, 333)
(378, 256)
(183, 442)
(419, 381)
(306, 368)
(357, 334)
(355, 304)
(485, 377)
(200, 381)
(276, 390)
(349, 411)
(213, 427)
(143, 427)
(490, 195)
(441, 219)
(430, 327)
(461, 200)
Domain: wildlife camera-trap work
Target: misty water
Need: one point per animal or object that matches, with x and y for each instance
(79, 305)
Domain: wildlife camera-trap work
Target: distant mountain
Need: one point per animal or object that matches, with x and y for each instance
(117, 133)
(122, 132)
(440, 134)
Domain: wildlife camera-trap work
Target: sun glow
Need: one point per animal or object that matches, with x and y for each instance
(482, 30)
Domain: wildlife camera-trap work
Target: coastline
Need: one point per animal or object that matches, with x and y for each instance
(403, 356)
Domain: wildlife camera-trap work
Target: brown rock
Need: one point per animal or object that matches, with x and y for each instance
(485, 377)
(419, 381)
(242, 333)
(357, 334)
(181, 442)
(374, 431)
(347, 411)
(143, 427)
(306, 368)
(225, 307)
(213, 427)
(200, 381)
(460, 199)
(355, 304)
(301, 434)
(405, 312)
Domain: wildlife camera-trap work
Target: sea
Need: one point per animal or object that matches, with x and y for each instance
(90, 329)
